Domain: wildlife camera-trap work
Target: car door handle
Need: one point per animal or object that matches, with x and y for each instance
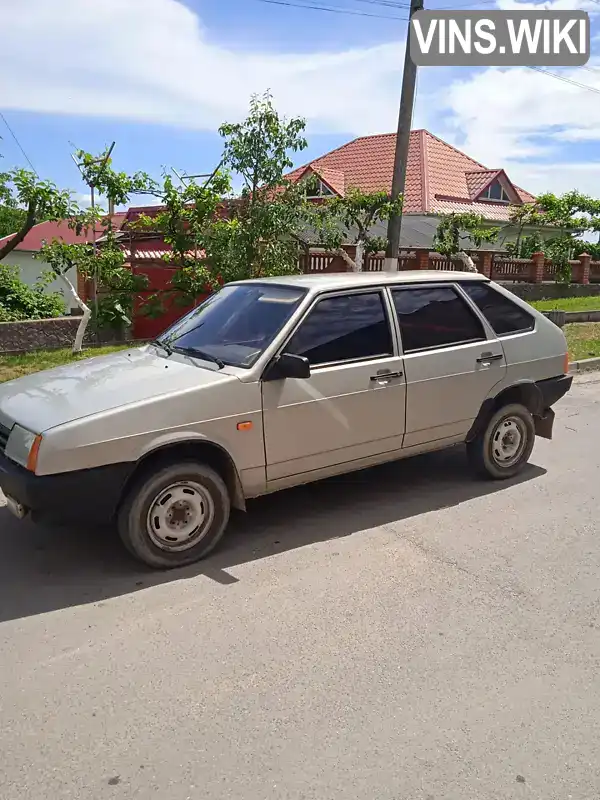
(485, 359)
(386, 376)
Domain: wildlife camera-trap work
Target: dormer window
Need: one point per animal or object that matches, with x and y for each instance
(495, 192)
(317, 189)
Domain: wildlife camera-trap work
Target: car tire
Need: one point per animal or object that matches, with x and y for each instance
(174, 516)
(504, 446)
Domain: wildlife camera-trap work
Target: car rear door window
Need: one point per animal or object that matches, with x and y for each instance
(435, 316)
(344, 328)
(504, 316)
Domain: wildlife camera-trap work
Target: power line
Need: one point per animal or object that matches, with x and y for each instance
(330, 9)
(383, 3)
(387, 3)
(19, 145)
(565, 80)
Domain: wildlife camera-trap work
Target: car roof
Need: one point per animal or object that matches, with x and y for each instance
(349, 280)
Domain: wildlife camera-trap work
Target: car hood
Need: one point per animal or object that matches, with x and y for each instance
(46, 399)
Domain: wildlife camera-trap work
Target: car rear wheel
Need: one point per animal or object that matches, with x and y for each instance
(503, 448)
(175, 516)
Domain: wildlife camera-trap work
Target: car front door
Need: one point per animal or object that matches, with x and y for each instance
(451, 361)
(352, 406)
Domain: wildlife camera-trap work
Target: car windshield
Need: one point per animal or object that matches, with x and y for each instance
(234, 325)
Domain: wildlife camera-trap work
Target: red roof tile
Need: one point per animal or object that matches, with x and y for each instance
(492, 211)
(47, 231)
(434, 168)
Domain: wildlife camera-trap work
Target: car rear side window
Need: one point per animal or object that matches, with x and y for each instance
(344, 328)
(504, 316)
(435, 316)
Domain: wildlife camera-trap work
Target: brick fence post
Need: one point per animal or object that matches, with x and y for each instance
(538, 261)
(485, 264)
(584, 269)
(422, 259)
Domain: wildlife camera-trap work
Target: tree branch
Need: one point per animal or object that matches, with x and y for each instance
(341, 252)
(28, 224)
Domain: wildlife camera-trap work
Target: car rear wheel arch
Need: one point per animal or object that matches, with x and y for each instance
(525, 393)
(201, 451)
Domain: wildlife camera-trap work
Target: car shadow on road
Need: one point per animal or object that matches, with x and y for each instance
(44, 569)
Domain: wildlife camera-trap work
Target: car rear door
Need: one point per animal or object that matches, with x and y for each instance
(452, 360)
(353, 404)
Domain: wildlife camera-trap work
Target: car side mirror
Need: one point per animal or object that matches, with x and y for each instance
(287, 365)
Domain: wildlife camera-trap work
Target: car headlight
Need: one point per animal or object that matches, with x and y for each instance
(23, 447)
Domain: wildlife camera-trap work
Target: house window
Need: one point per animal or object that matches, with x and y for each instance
(318, 189)
(496, 192)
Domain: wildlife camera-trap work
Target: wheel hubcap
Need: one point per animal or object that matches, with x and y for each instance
(509, 439)
(180, 516)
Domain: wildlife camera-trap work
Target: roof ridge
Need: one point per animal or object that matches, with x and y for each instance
(456, 150)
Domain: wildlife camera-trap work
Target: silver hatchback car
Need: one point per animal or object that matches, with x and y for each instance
(277, 382)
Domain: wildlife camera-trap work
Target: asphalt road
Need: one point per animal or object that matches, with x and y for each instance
(406, 633)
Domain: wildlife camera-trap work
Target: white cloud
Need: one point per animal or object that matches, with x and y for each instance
(515, 118)
(152, 60)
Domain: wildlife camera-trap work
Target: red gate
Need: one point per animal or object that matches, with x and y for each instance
(159, 275)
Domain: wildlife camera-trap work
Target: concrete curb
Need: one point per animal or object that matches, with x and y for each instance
(584, 365)
(562, 318)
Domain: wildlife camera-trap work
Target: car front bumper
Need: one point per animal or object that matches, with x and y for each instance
(69, 497)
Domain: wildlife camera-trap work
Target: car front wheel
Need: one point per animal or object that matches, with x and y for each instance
(174, 516)
(503, 448)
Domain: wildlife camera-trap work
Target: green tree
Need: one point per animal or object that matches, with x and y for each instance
(217, 238)
(37, 200)
(18, 301)
(192, 220)
(11, 220)
(454, 230)
(336, 221)
(259, 236)
(571, 214)
(102, 265)
(521, 218)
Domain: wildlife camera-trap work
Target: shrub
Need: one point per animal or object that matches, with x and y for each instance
(18, 301)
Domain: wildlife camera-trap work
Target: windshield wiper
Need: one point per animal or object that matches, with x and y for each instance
(163, 346)
(193, 351)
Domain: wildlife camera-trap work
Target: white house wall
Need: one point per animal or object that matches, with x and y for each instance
(31, 269)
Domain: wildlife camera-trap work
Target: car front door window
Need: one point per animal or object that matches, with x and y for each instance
(344, 328)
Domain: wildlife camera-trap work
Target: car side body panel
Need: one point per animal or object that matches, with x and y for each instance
(211, 413)
(110, 414)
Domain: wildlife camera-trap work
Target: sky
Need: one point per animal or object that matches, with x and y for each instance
(158, 77)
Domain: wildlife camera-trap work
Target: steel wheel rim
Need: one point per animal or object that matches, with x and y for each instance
(508, 441)
(180, 516)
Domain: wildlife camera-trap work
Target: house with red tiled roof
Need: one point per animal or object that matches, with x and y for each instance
(24, 254)
(440, 179)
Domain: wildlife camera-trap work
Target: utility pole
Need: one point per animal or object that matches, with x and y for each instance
(407, 100)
